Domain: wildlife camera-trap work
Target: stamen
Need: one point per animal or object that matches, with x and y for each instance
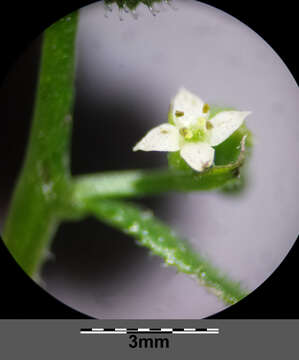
(209, 125)
(186, 133)
(205, 108)
(179, 113)
(201, 123)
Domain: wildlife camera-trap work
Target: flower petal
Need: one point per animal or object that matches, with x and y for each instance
(164, 137)
(186, 108)
(198, 155)
(224, 124)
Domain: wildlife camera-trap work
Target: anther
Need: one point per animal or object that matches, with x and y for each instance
(179, 113)
(186, 133)
(209, 125)
(205, 108)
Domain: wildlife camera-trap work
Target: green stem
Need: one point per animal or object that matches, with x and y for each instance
(137, 183)
(162, 241)
(44, 182)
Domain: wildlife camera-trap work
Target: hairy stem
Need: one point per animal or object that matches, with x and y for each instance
(164, 242)
(44, 181)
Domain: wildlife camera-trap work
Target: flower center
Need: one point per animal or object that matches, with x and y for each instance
(196, 132)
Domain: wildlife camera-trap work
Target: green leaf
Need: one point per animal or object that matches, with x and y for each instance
(164, 242)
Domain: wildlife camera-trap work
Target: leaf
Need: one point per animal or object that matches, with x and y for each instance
(164, 242)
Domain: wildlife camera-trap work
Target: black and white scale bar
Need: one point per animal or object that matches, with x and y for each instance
(122, 331)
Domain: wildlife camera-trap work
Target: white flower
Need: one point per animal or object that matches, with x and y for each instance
(191, 132)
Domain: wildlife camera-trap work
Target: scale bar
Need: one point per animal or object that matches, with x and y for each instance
(122, 331)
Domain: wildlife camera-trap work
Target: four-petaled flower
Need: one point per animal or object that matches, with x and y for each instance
(191, 131)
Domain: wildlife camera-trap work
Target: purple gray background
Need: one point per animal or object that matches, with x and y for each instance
(127, 73)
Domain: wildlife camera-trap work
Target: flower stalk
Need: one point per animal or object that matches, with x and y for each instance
(137, 183)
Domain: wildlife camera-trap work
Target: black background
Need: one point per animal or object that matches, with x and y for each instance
(23, 21)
